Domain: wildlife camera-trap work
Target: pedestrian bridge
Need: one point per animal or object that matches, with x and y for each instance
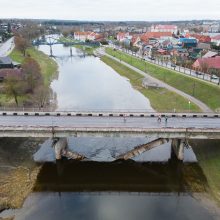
(179, 128)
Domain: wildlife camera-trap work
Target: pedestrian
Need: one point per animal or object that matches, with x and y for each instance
(124, 118)
(166, 118)
(159, 118)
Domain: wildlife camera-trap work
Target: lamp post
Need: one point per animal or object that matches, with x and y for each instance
(189, 105)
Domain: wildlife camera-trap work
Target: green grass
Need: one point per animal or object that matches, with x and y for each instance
(67, 40)
(48, 66)
(7, 101)
(204, 91)
(161, 99)
(208, 155)
(89, 50)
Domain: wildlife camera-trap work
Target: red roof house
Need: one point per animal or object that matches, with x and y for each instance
(211, 62)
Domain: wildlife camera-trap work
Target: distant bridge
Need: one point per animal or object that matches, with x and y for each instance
(59, 125)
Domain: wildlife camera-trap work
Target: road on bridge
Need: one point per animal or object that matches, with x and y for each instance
(108, 122)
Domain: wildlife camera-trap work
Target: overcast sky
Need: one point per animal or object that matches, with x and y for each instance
(145, 10)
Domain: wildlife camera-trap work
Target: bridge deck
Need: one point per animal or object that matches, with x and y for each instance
(64, 126)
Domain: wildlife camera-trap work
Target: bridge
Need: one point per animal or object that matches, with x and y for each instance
(178, 128)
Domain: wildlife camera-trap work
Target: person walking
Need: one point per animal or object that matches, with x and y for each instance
(166, 118)
(124, 118)
(159, 118)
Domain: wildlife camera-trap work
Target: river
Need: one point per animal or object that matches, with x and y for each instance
(151, 187)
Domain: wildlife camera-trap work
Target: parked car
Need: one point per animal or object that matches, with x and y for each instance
(198, 73)
(151, 58)
(214, 77)
(173, 65)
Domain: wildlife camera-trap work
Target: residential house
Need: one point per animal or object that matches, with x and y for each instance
(204, 46)
(154, 35)
(136, 41)
(95, 37)
(187, 42)
(6, 62)
(210, 54)
(216, 40)
(81, 36)
(4, 73)
(210, 62)
(179, 52)
(201, 38)
(121, 36)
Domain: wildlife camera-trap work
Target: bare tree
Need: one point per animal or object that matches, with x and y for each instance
(21, 44)
(41, 96)
(204, 68)
(32, 73)
(14, 87)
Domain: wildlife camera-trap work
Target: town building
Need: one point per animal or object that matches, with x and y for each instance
(216, 40)
(187, 42)
(164, 28)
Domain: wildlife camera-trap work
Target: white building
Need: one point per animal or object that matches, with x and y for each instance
(164, 28)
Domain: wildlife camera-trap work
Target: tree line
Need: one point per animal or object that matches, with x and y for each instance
(27, 88)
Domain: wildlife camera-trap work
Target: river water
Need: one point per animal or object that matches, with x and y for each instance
(151, 187)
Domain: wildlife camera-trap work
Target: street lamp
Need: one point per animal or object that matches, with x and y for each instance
(189, 105)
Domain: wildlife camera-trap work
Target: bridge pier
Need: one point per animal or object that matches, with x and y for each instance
(142, 148)
(61, 150)
(177, 148)
(60, 145)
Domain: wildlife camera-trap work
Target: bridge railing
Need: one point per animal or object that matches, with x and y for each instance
(93, 110)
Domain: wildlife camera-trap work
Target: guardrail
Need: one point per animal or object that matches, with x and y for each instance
(83, 110)
(108, 114)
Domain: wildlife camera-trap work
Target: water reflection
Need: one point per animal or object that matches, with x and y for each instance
(131, 176)
(88, 83)
(129, 190)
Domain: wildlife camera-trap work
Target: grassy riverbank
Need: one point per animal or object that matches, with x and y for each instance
(48, 66)
(208, 155)
(89, 50)
(49, 70)
(204, 91)
(161, 99)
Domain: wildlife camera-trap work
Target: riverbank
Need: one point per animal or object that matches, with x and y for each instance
(89, 50)
(49, 67)
(194, 87)
(161, 99)
(49, 70)
(208, 155)
(18, 171)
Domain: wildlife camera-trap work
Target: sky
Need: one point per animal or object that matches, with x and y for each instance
(111, 10)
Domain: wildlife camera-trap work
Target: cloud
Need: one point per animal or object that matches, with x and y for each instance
(111, 9)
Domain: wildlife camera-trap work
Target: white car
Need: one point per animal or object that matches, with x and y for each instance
(214, 77)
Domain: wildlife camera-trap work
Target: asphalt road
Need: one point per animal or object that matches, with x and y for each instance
(7, 47)
(107, 122)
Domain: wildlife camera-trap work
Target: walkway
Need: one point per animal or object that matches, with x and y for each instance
(7, 47)
(200, 104)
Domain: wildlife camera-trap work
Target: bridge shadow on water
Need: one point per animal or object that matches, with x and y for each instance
(121, 176)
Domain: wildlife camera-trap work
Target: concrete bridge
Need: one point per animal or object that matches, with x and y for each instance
(178, 128)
